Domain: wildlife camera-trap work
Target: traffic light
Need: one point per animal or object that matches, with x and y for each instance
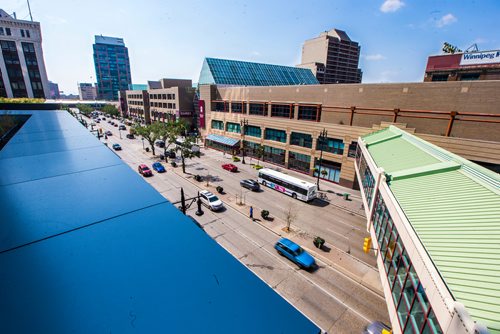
(367, 244)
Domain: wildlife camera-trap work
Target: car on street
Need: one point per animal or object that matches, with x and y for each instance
(210, 200)
(230, 167)
(171, 154)
(377, 327)
(250, 184)
(97, 121)
(108, 133)
(157, 166)
(144, 170)
(160, 143)
(117, 147)
(115, 125)
(104, 118)
(122, 127)
(130, 136)
(295, 253)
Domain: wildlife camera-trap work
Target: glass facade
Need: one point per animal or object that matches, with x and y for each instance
(3, 92)
(233, 127)
(298, 161)
(353, 146)
(276, 135)
(367, 179)
(254, 131)
(301, 139)
(309, 113)
(330, 170)
(259, 109)
(219, 125)
(282, 110)
(241, 73)
(332, 145)
(251, 149)
(414, 311)
(274, 155)
(33, 70)
(14, 70)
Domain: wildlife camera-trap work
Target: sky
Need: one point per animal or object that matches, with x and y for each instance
(169, 39)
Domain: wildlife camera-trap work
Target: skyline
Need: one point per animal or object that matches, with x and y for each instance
(171, 40)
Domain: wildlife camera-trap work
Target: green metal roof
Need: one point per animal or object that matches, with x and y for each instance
(454, 207)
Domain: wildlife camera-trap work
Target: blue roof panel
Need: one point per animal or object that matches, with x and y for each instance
(223, 140)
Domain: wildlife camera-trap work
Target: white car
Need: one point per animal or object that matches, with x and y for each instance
(210, 200)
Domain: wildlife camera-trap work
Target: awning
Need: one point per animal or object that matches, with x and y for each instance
(223, 140)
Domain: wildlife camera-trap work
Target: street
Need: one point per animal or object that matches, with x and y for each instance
(337, 302)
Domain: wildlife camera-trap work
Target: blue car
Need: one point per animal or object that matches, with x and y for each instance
(157, 166)
(295, 253)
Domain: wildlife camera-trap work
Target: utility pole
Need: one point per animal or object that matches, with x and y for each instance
(322, 136)
(243, 125)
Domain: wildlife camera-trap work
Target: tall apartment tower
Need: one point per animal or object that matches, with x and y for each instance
(22, 68)
(332, 57)
(112, 67)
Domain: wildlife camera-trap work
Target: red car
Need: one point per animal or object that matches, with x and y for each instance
(144, 170)
(230, 167)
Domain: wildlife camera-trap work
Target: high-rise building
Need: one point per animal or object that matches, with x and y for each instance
(112, 67)
(54, 91)
(333, 58)
(22, 68)
(87, 91)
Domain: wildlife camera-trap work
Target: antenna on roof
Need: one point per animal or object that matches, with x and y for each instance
(472, 48)
(29, 9)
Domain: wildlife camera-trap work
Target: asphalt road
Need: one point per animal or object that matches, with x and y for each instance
(335, 302)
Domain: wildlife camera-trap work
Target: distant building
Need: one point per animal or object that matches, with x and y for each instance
(112, 67)
(242, 73)
(137, 87)
(483, 65)
(332, 57)
(54, 91)
(22, 68)
(87, 91)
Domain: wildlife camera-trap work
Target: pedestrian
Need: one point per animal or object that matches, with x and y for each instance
(251, 212)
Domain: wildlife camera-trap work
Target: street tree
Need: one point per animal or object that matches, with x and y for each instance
(85, 109)
(150, 132)
(169, 132)
(111, 110)
(259, 152)
(290, 216)
(187, 146)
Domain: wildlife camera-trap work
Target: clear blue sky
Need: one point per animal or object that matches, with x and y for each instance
(171, 38)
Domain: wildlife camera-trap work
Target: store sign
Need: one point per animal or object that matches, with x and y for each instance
(201, 106)
(480, 58)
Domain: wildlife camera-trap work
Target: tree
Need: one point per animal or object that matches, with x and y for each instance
(111, 110)
(185, 147)
(84, 109)
(169, 132)
(150, 132)
(290, 216)
(259, 152)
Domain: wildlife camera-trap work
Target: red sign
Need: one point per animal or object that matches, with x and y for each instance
(201, 106)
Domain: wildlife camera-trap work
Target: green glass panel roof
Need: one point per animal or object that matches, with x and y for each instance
(454, 207)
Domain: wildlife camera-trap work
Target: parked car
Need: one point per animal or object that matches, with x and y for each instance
(210, 200)
(230, 167)
(160, 143)
(157, 166)
(104, 118)
(250, 184)
(377, 327)
(115, 125)
(295, 253)
(108, 133)
(117, 147)
(144, 170)
(122, 127)
(130, 136)
(171, 154)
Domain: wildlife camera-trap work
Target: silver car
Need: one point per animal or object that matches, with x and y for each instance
(210, 200)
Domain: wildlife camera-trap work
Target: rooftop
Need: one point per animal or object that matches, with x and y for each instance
(100, 39)
(242, 73)
(88, 246)
(454, 207)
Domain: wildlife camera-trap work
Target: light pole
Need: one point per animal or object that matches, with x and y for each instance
(120, 131)
(243, 124)
(142, 143)
(322, 136)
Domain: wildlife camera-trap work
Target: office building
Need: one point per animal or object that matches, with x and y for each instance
(480, 65)
(22, 68)
(287, 121)
(87, 91)
(54, 91)
(332, 57)
(166, 99)
(112, 67)
(433, 219)
(241, 73)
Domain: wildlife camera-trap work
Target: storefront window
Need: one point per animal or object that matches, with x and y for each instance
(219, 125)
(331, 170)
(274, 155)
(299, 161)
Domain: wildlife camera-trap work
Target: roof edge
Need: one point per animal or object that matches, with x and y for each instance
(439, 167)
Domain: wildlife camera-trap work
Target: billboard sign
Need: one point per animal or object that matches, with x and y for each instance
(201, 106)
(480, 58)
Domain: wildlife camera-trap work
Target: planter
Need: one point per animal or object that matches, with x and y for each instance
(236, 159)
(219, 189)
(264, 214)
(319, 242)
(198, 178)
(174, 164)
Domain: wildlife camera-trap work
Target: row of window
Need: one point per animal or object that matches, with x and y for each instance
(7, 31)
(162, 105)
(162, 96)
(307, 113)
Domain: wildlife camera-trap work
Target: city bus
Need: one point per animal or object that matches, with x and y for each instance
(292, 186)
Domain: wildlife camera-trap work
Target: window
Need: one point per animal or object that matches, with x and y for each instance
(233, 127)
(237, 107)
(219, 125)
(299, 161)
(309, 113)
(2, 32)
(281, 110)
(253, 131)
(28, 34)
(353, 146)
(470, 76)
(440, 77)
(276, 135)
(258, 109)
(22, 33)
(7, 31)
(220, 106)
(274, 155)
(301, 139)
(332, 145)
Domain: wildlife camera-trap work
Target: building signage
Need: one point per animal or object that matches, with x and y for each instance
(201, 106)
(480, 58)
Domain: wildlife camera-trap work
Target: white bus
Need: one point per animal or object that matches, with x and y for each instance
(292, 186)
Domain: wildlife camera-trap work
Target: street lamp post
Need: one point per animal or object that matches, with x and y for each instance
(120, 132)
(243, 124)
(142, 143)
(322, 136)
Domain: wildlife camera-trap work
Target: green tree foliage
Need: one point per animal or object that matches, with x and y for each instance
(259, 152)
(85, 109)
(110, 110)
(150, 132)
(21, 100)
(185, 147)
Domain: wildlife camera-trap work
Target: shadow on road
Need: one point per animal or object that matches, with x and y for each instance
(319, 203)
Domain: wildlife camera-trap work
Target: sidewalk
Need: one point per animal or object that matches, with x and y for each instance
(347, 264)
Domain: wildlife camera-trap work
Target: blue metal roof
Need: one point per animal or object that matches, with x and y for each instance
(87, 246)
(242, 73)
(223, 140)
